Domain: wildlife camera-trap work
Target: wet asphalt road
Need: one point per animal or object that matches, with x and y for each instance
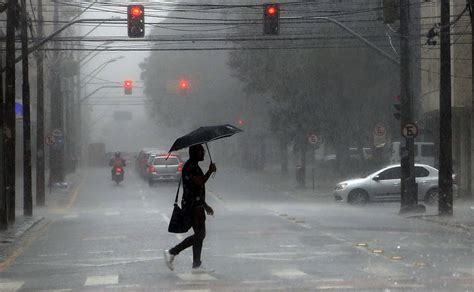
(105, 237)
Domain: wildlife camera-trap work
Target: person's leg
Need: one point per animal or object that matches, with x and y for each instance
(199, 227)
(187, 242)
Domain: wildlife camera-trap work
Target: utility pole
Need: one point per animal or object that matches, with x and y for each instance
(40, 156)
(471, 184)
(445, 204)
(409, 197)
(3, 193)
(10, 118)
(27, 192)
(57, 106)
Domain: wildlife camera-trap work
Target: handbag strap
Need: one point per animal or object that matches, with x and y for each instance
(177, 192)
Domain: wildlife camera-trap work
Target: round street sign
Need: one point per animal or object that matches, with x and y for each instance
(57, 132)
(50, 140)
(409, 130)
(313, 139)
(379, 130)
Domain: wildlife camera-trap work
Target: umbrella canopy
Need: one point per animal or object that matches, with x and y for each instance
(203, 135)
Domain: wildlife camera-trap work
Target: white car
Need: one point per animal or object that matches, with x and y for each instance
(384, 185)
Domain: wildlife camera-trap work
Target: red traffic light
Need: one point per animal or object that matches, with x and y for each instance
(183, 84)
(136, 11)
(271, 10)
(128, 84)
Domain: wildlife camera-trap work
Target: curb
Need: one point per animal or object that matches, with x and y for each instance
(431, 218)
(15, 233)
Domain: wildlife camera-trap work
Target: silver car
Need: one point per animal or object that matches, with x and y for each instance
(164, 168)
(384, 185)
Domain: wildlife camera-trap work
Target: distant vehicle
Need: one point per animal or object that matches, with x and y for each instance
(424, 153)
(118, 174)
(142, 159)
(384, 185)
(164, 168)
(96, 155)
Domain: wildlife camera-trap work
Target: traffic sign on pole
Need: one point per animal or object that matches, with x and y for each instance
(409, 130)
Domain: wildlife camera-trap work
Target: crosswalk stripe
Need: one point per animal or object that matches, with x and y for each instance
(289, 273)
(11, 286)
(101, 280)
(112, 213)
(196, 277)
(72, 216)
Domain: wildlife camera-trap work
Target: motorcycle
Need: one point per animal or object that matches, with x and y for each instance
(117, 174)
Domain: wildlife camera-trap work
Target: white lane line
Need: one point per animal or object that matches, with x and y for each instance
(56, 290)
(335, 287)
(100, 252)
(153, 212)
(112, 213)
(72, 216)
(11, 286)
(101, 280)
(104, 238)
(289, 273)
(196, 277)
(192, 290)
(179, 237)
(152, 250)
(53, 255)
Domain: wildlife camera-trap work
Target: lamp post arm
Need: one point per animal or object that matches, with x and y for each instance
(354, 33)
(48, 38)
(96, 90)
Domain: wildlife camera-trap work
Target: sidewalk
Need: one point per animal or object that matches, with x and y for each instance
(16, 230)
(463, 210)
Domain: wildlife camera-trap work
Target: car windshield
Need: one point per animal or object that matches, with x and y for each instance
(164, 161)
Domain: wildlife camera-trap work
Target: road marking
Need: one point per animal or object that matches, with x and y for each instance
(192, 290)
(11, 286)
(335, 287)
(105, 238)
(152, 212)
(101, 280)
(112, 213)
(196, 277)
(100, 252)
(53, 255)
(179, 236)
(72, 216)
(166, 218)
(74, 196)
(55, 290)
(289, 273)
(24, 245)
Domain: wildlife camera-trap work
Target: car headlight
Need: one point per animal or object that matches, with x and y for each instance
(341, 186)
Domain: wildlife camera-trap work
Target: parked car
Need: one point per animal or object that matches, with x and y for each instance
(384, 185)
(164, 168)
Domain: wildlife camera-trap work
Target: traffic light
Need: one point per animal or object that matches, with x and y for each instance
(136, 21)
(128, 86)
(183, 84)
(396, 112)
(271, 18)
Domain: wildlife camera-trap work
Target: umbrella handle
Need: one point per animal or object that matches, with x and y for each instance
(209, 152)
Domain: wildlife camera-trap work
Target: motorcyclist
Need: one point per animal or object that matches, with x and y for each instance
(116, 161)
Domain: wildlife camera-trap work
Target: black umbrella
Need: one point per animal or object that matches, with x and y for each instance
(203, 135)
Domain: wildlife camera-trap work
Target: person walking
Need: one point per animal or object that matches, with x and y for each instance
(194, 197)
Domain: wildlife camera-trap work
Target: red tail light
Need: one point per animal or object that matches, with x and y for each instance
(118, 170)
(180, 167)
(151, 169)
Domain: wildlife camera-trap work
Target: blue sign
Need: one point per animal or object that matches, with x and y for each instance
(18, 109)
